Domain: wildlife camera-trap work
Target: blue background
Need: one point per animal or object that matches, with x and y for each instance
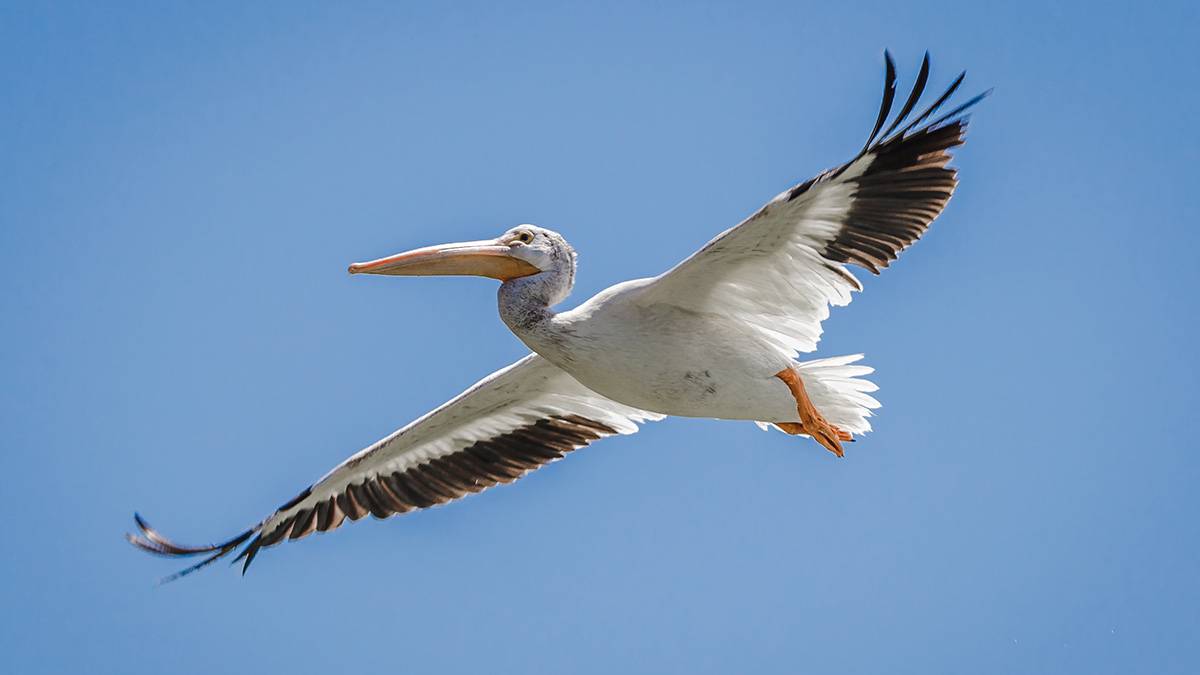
(184, 186)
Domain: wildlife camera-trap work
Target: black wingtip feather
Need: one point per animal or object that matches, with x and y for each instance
(889, 95)
(247, 554)
(150, 540)
(960, 109)
(936, 104)
(184, 572)
(913, 97)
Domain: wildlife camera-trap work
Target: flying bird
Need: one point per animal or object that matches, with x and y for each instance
(718, 335)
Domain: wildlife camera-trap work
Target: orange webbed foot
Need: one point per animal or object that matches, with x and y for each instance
(811, 421)
(825, 439)
(828, 436)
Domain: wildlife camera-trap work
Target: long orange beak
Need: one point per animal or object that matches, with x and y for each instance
(487, 258)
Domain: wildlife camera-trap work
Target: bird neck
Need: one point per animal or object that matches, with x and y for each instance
(525, 302)
(526, 308)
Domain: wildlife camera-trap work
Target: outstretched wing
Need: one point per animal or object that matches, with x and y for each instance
(506, 425)
(779, 270)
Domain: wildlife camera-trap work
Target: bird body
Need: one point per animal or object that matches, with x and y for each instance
(718, 335)
(663, 358)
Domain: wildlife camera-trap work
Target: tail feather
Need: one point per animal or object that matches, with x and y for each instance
(838, 391)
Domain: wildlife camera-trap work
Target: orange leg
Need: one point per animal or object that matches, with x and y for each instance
(811, 421)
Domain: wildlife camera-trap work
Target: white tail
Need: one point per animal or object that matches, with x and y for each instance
(838, 392)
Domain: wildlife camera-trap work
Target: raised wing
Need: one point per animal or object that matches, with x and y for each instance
(780, 269)
(506, 425)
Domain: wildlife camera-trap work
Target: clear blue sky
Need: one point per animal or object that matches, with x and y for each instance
(184, 186)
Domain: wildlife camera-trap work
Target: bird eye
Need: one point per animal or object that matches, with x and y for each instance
(524, 237)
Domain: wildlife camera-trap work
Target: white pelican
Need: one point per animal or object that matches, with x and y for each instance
(716, 336)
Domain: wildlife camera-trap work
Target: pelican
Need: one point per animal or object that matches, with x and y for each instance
(717, 336)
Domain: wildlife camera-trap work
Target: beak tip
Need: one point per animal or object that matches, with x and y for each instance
(354, 268)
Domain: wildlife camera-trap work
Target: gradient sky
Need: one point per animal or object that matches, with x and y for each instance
(184, 186)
